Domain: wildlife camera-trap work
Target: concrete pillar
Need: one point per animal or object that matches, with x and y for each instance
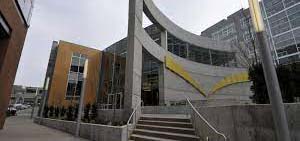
(133, 74)
(162, 69)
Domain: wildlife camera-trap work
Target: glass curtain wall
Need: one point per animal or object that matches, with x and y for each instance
(192, 52)
(283, 18)
(150, 80)
(112, 77)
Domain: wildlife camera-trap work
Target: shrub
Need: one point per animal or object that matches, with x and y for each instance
(62, 112)
(70, 113)
(46, 111)
(56, 112)
(288, 80)
(51, 110)
(87, 112)
(76, 111)
(94, 112)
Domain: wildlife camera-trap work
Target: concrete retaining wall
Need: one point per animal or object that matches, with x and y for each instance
(240, 122)
(93, 132)
(251, 122)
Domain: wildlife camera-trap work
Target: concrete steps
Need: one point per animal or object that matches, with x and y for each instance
(164, 128)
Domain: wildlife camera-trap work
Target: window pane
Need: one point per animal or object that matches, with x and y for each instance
(76, 54)
(73, 76)
(74, 68)
(71, 89)
(78, 88)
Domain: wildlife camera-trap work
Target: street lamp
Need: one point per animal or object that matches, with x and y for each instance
(44, 97)
(279, 116)
(81, 101)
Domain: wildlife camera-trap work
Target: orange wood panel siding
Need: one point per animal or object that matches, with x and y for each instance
(58, 89)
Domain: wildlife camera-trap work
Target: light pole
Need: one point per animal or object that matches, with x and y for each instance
(35, 101)
(81, 101)
(44, 97)
(279, 116)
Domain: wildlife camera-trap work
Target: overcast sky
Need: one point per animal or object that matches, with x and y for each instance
(100, 23)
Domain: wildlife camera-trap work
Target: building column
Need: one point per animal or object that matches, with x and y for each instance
(162, 69)
(133, 74)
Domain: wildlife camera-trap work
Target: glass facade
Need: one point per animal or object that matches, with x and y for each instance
(75, 76)
(112, 77)
(283, 18)
(199, 54)
(150, 79)
(194, 53)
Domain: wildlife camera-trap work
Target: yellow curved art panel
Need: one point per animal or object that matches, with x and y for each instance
(230, 80)
(179, 70)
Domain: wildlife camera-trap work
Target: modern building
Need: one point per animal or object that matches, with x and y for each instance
(282, 18)
(160, 65)
(14, 21)
(282, 21)
(238, 30)
(25, 95)
(65, 70)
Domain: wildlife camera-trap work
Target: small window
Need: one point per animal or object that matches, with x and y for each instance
(4, 28)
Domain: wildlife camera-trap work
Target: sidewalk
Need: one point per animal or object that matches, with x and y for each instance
(22, 128)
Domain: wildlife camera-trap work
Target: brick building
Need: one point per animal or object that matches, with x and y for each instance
(14, 22)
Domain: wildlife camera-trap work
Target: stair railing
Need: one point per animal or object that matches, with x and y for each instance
(134, 120)
(210, 132)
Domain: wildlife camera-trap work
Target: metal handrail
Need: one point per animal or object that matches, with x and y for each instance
(209, 125)
(131, 116)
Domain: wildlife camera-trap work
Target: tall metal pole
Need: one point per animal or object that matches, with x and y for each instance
(278, 111)
(35, 101)
(81, 101)
(44, 97)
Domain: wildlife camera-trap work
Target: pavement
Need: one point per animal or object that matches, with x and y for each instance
(22, 128)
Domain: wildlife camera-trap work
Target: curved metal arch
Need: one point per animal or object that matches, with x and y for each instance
(158, 18)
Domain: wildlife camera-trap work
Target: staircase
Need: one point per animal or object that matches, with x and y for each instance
(161, 127)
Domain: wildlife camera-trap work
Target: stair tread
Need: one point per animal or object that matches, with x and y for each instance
(188, 123)
(151, 138)
(168, 133)
(172, 116)
(166, 127)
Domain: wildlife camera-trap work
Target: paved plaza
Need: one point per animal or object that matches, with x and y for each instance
(22, 128)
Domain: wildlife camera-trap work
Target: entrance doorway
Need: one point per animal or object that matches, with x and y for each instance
(150, 98)
(150, 80)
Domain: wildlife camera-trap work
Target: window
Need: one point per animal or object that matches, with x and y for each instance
(246, 22)
(25, 9)
(294, 16)
(224, 32)
(4, 28)
(248, 36)
(284, 40)
(273, 6)
(75, 77)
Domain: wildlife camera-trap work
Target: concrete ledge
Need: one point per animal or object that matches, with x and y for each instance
(95, 132)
